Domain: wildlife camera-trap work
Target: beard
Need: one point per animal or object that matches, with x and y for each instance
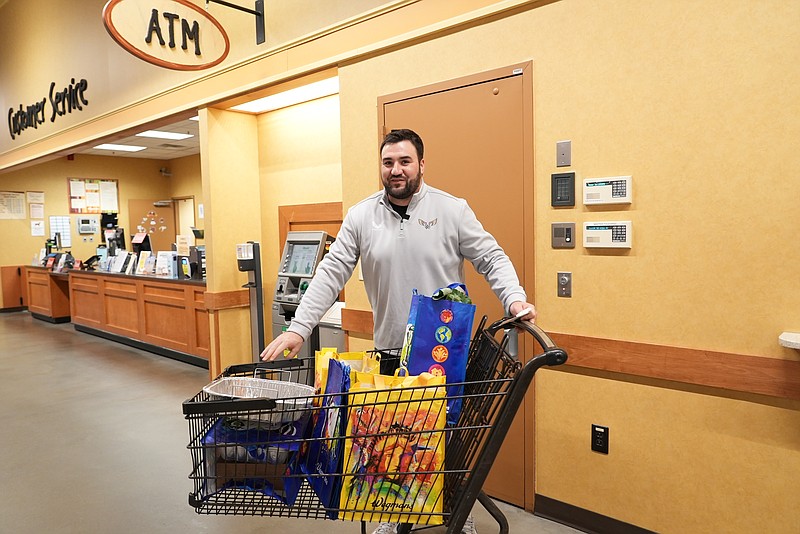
(404, 191)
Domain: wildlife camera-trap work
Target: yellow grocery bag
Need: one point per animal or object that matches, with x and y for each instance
(356, 361)
(394, 449)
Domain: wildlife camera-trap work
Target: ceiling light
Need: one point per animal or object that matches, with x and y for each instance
(120, 148)
(291, 97)
(164, 135)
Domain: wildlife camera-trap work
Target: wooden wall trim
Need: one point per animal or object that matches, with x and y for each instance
(357, 321)
(320, 213)
(223, 300)
(737, 372)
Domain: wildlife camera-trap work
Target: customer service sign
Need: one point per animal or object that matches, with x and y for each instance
(174, 34)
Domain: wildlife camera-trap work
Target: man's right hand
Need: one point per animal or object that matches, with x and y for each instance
(286, 341)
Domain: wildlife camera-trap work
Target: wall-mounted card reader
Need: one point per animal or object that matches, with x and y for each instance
(613, 190)
(607, 234)
(563, 235)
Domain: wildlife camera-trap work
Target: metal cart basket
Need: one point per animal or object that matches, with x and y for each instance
(246, 460)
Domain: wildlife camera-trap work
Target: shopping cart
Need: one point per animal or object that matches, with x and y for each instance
(244, 466)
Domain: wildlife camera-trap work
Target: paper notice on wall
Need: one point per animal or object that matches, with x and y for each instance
(12, 205)
(37, 211)
(37, 228)
(35, 197)
(108, 196)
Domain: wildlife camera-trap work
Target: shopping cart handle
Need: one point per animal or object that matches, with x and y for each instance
(247, 368)
(227, 405)
(514, 322)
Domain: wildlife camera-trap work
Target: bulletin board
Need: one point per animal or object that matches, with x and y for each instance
(88, 195)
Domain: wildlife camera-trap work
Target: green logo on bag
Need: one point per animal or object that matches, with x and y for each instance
(443, 334)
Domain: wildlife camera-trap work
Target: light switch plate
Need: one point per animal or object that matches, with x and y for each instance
(565, 285)
(563, 153)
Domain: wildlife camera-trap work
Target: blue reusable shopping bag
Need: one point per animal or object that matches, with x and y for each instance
(322, 461)
(437, 340)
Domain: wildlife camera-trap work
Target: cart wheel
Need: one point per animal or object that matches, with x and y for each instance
(404, 528)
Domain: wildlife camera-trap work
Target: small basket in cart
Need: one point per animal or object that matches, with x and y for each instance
(256, 482)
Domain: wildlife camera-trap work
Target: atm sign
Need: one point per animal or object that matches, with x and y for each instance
(174, 34)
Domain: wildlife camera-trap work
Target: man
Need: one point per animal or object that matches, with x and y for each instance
(409, 236)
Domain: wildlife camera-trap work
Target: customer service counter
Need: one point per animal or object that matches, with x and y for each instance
(160, 315)
(48, 294)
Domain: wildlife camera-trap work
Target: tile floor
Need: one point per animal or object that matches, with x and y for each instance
(93, 440)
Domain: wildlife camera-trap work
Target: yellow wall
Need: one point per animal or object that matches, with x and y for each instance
(299, 163)
(678, 461)
(698, 101)
(685, 97)
(186, 181)
(136, 178)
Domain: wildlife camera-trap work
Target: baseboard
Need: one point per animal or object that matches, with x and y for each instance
(580, 519)
(169, 353)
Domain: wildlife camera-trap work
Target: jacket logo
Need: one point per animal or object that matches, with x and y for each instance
(428, 224)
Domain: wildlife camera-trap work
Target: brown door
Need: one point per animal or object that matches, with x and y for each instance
(478, 147)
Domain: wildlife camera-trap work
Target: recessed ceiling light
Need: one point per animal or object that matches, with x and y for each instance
(312, 91)
(164, 135)
(120, 148)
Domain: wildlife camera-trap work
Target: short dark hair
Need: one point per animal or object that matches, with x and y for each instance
(395, 136)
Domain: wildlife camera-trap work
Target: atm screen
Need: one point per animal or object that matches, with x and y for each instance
(302, 258)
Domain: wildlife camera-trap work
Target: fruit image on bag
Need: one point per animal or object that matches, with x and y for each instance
(394, 450)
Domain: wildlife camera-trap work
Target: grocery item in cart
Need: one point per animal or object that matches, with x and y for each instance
(292, 400)
(246, 454)
(394, 449)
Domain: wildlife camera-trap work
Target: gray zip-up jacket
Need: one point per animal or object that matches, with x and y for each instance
(425, 251)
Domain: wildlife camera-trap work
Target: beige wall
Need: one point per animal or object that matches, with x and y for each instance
(186, 181)
(683, 97)
(300, 163)
(698, 101)
(136, 179)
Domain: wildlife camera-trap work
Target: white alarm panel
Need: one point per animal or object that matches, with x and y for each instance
(607, 234)
(611, 190)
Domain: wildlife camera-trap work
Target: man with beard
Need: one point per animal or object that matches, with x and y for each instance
(408, 236)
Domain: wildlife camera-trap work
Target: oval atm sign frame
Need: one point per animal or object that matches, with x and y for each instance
(119, 20)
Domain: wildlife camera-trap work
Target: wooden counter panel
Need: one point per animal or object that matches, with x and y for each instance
(165, 313)
(87, 306)
(202, 335)
(122, 313)
(48, 293)
(39, 294)
(166, 324)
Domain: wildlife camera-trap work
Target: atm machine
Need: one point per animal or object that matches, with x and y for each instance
(302, 253)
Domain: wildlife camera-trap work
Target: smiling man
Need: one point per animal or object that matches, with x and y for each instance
(408, 236)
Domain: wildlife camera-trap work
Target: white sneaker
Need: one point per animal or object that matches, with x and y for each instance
(469, 526)
(386, 528)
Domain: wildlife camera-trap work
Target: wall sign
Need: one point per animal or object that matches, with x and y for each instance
(62, 100)
(173, 34)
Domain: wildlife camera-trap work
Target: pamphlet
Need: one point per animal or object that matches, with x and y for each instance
(118, 262)
(165, 264)
(130, 267)
(141, 265)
